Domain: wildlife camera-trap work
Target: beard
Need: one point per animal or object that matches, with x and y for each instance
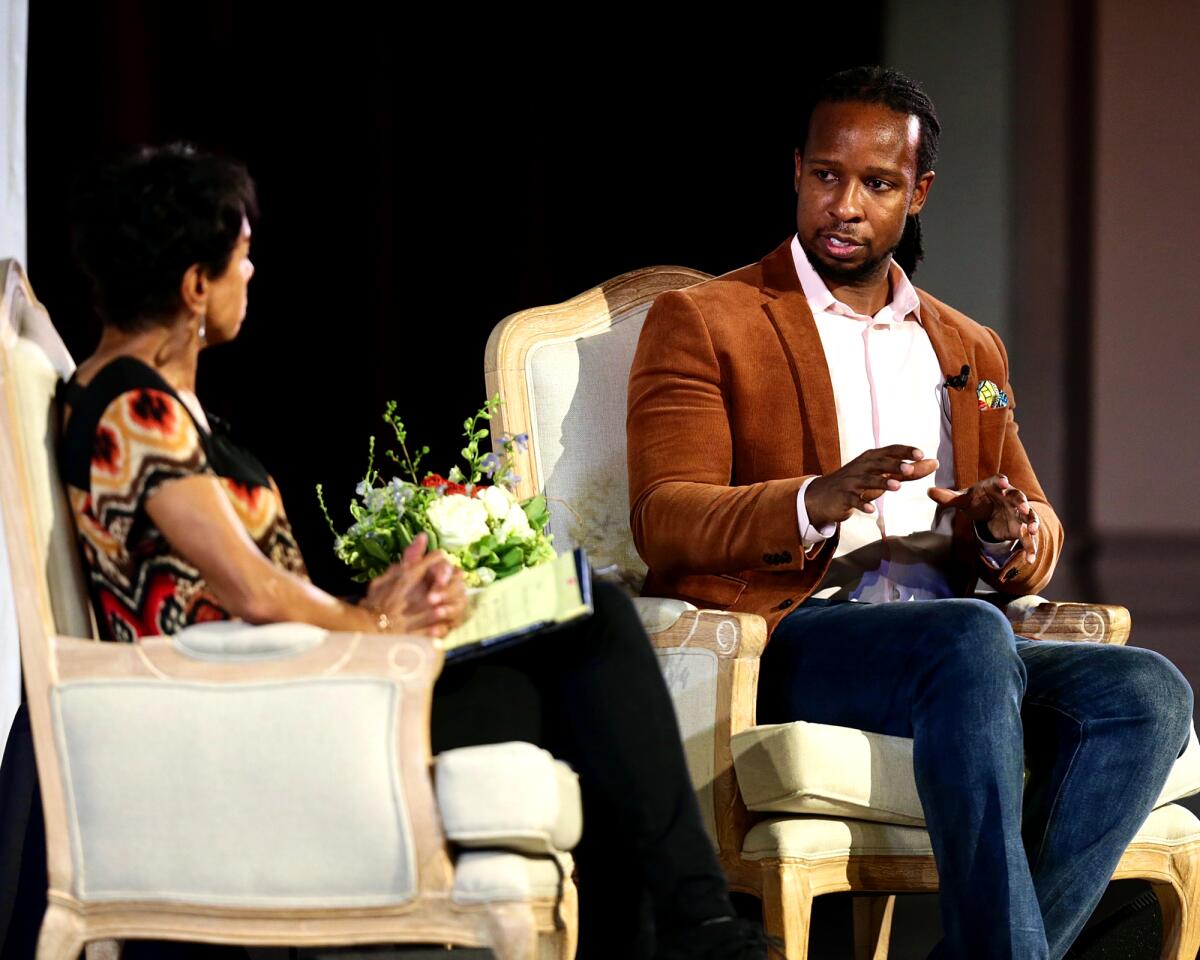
(846, 272)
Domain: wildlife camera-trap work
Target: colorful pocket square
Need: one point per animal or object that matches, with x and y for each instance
(991, 397)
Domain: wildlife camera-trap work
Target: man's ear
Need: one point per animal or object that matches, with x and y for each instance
(920, 193)
(799, 169)
(193, 289)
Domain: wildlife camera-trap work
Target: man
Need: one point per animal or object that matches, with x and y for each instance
(812, 439)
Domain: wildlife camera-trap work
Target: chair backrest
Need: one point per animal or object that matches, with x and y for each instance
(563, 372)
(32, 360)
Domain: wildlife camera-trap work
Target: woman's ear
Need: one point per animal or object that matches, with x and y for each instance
(193, 289)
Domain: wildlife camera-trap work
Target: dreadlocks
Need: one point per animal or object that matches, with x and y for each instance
(894, 90)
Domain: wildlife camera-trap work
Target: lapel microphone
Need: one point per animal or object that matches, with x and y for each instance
(960, 381)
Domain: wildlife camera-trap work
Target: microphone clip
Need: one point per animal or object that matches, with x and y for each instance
(959, 382)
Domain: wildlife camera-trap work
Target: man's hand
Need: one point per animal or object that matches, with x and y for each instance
(999, 504)
(833, 497)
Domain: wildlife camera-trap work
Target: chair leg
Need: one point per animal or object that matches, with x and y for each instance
(512, 932)
(568, 909)
(61, 936)
(787, 906)
(873, 926)
(1179, 900)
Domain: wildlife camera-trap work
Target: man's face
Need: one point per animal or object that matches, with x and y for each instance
(856, 184)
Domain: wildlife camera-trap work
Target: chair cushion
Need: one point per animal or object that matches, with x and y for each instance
(511, 795)
(820, 838)
(238, 641)
(660, 613)
(188, 792)
(815, 768)
(578, 387)
(484, 876)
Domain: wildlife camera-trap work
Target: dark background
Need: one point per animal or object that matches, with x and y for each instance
(418, 183)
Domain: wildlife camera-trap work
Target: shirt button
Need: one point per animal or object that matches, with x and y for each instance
(895, 593)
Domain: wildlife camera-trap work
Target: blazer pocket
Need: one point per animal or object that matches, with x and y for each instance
(713, 590)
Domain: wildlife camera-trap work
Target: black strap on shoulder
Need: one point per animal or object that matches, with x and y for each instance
(88, 404)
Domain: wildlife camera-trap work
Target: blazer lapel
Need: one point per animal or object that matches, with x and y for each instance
(964, 407)
(797, 330)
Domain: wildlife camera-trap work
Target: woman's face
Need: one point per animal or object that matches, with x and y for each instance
(227, 294)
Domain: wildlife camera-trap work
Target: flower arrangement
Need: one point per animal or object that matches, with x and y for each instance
(483, 528)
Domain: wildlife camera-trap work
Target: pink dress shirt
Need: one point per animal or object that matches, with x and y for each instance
(888, 388)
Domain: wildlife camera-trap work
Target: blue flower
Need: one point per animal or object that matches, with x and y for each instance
(489, 463)
(362, 488)
(510, 479)
(522, 441)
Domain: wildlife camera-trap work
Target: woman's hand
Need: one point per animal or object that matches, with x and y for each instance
(423, 593)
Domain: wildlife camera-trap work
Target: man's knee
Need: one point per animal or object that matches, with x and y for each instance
(1152, 683)
(974, 630)
(972, 644)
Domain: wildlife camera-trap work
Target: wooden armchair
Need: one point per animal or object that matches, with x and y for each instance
(233, 784)
(820, 809)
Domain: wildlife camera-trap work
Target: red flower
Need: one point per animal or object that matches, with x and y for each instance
(436, 480)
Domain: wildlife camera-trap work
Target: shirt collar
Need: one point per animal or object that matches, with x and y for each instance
(904, 295)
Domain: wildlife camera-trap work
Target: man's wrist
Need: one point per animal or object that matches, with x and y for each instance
(810, 534)
(995, 553)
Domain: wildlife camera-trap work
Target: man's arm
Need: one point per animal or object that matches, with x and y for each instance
(685, 515)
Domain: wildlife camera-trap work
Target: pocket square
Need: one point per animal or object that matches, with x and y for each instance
(991, 397)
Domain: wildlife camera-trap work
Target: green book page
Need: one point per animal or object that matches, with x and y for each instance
(547, 593)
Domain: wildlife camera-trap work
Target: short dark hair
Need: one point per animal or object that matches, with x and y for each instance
(140, 220)
(891, 89)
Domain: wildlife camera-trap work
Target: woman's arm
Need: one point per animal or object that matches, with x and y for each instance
(424, 594)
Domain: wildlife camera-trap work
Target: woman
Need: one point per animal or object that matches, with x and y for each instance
(178, 525)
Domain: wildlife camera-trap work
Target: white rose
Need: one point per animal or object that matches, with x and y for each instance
(498, 502)
(515, 524)
(458, 521)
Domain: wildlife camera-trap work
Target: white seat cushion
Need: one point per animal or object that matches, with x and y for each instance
(510, 795)
(815, 768)
(820, 838)
(485, 876)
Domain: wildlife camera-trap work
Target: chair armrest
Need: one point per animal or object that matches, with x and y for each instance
(739, 635)
(1038, 619)
(737, 640)
(269, 653)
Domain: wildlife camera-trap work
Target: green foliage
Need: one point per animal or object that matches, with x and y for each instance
(388, 515)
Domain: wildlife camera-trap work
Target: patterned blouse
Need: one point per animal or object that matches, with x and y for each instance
(128, 433)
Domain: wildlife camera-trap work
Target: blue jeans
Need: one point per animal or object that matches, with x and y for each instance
(1021, 866)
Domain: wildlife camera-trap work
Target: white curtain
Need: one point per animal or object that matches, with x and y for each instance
(14, 31)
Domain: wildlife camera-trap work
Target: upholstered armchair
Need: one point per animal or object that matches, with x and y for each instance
(798, 809)
(254, 785)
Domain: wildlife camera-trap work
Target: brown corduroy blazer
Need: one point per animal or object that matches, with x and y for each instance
(731, 408)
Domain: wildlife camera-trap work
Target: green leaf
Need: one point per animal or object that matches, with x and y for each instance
(375, 549)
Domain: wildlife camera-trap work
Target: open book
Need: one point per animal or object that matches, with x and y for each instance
(527, 603)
